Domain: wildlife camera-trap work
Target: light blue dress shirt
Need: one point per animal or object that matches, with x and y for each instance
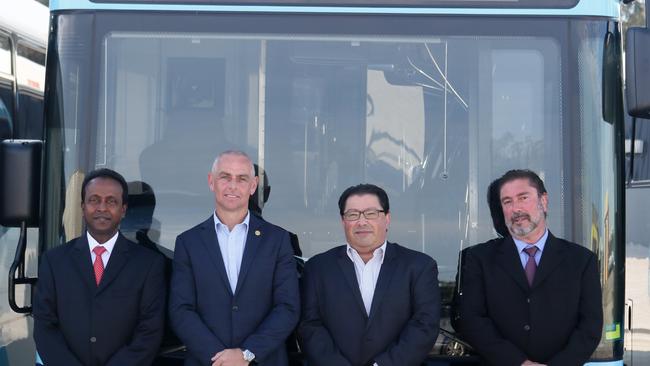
(232, 244)
(521, 245)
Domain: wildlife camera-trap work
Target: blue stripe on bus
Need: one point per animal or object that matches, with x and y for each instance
(605, 8)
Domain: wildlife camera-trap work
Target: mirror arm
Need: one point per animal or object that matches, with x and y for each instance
(19, 278)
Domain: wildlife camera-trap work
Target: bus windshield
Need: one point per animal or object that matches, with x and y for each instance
(432, 111)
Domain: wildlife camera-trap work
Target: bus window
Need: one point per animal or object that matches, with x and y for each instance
(5, 122)
(5, 55)
(6, 78)
(30, 75)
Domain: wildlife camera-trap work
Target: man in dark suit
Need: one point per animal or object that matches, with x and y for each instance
(530, 298)
(369, 302)
(234, 291)
(100, 298)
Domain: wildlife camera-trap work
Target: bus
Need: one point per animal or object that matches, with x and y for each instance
(429, 99)
(23, 41)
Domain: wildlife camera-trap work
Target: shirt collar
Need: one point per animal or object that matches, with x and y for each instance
(109, 245)
(218, 222)
(521, 245)
(381, 251)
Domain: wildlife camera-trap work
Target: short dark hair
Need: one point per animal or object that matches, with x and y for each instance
(108, 174)
(533, 179)
(496, 211)
(362, 189)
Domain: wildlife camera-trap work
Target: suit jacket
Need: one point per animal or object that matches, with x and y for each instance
(404, 316)
(119, 322)
(262, 312)
(557, 321)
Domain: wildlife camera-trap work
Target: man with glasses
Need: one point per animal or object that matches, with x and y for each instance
(369, 302)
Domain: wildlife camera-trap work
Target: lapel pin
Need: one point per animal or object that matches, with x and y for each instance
(258, 233)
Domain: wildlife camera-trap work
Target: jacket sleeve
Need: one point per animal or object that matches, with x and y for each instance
(475, 324)
(283, 317)
(317, 342)
(148, 332)
(185, 320)
(420, 333)
(50, 341)
(586, 335)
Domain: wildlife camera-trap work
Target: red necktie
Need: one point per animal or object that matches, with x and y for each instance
(98, 264)
(531, 265)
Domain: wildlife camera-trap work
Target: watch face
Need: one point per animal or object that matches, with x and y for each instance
(248, 355)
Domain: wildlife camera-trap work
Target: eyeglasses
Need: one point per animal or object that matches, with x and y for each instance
(370, 214)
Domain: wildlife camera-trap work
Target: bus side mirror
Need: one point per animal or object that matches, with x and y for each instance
(20, 183)
(20, 169)
(637, 72)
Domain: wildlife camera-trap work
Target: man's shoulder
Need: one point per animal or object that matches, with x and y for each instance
(487, 246)
(140, 251)
(197, 228)
(259, 223)
(575, 250)
(64, 250)
(408, 254)
(327, 257)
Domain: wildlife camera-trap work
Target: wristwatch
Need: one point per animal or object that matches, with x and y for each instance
(248, 355)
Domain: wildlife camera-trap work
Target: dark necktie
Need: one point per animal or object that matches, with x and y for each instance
(98, 264)
(531, 265)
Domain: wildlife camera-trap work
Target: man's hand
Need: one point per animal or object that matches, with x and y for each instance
(532, 363)
(229, 357)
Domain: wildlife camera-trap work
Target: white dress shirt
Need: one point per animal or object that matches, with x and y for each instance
(522, 245)
(231, 244)
(367, 273)
(109, 245)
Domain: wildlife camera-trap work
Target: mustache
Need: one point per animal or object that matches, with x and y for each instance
(102, 217)
(520, 215)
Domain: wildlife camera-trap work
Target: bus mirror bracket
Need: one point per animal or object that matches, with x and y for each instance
(20, 172)
(637, 72)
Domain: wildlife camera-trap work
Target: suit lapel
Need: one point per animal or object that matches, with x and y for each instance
(347, 269)
(211, 243)
(385, 276)
(253, 240)
(508, 259)
(82, 261)
(552, 256)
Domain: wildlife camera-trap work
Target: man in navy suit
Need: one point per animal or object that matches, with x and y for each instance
(100, 298)
(369, 302)
(530, 298)
(234, 290)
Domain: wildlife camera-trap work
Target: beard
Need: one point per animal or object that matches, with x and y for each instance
(528, 227)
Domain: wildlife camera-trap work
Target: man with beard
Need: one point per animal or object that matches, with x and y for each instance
(530, 298)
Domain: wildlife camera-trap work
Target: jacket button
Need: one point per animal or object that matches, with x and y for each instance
(93, 339)
(528, 300)
(526, 327)
(235, 308)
